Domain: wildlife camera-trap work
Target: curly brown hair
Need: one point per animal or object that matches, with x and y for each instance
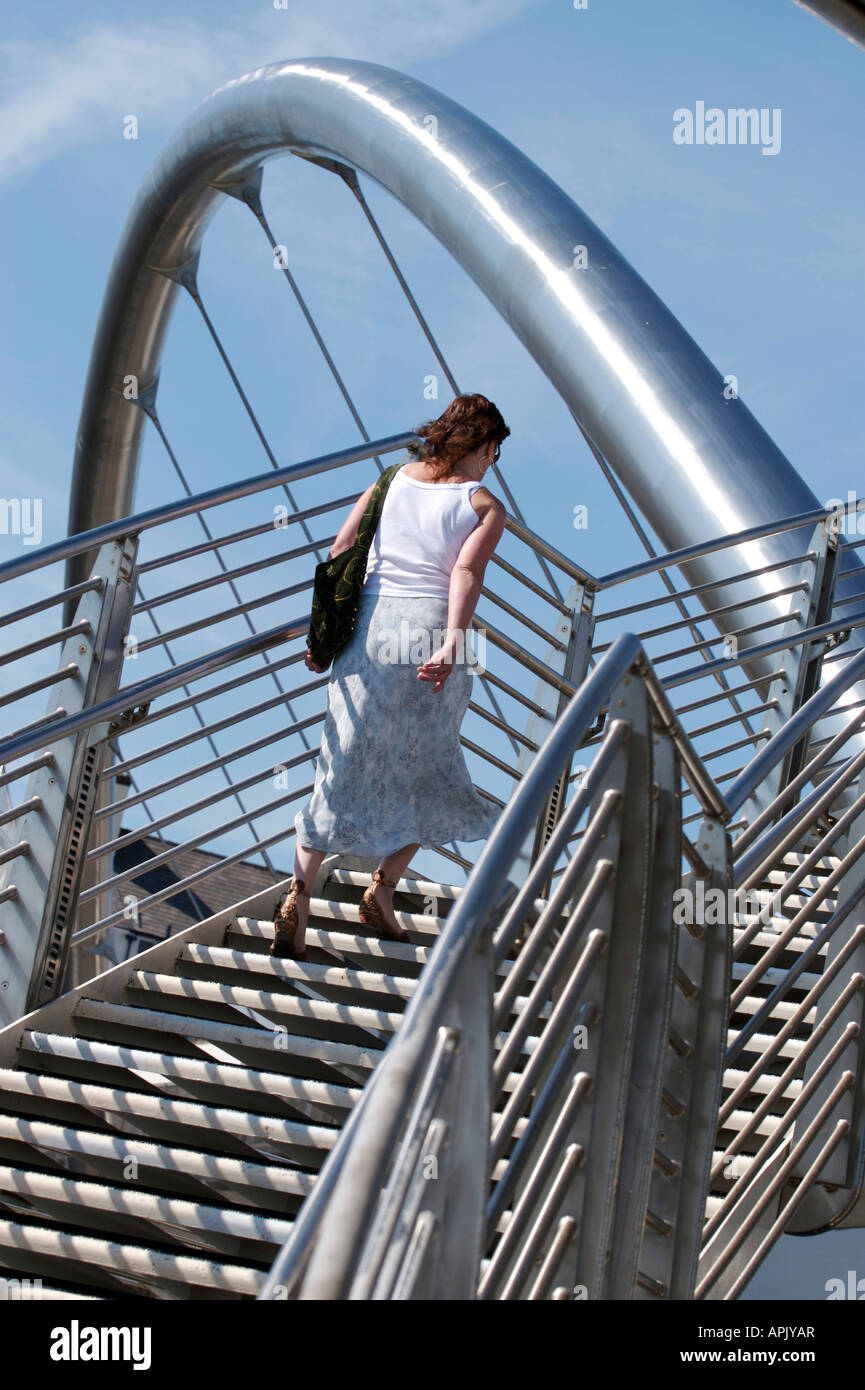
(468, 422)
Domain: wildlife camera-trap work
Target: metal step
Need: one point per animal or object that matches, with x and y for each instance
(46, 1191)
(149, 1269)
(423, 887)
(261, 1000)
(219, 1080)
(341, 977)
(217, 1170)
(769, 968)
(172, 1073)
(119, 1107)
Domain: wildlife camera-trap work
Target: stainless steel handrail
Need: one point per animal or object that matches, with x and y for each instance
(745, 852)
(725, 542)
(694, 590)
(778, 644)
(131, 696)
(371, 1130)
(787, 737)
(373, 1126)
(197, 502)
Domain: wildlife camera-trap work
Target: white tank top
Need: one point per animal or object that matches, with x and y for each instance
(419, 536)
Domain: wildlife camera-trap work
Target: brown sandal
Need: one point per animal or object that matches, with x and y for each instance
(371, 914)
(285, 922)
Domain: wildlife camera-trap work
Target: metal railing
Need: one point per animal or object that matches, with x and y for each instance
(543, 643)
(735, 685)
(762, 654)
(788, 1117)
(128, 783)
(495, 1088)
(538, 1100)
(713, 1063)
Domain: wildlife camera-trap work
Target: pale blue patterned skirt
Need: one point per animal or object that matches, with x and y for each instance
(391, 770)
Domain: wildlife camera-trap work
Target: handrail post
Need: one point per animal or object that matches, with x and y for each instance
(37, 921)
(694, 1075)
(641, 1243)
(435, 1252)
(603, 1238)
(803, 661)
(572, 663)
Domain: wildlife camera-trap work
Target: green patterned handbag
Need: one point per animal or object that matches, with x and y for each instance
(338, 582)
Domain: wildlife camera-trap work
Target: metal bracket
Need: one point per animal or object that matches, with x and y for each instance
(128, 719)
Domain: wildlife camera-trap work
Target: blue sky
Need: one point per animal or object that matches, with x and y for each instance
(759, 257)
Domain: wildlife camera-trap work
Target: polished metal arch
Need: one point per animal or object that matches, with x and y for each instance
(696, 463)
(847, 16)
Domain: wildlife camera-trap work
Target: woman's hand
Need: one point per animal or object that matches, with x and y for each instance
(439, 666)
(311, 665)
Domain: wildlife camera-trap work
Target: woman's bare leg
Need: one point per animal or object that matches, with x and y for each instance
(392, 867)
(306, 865)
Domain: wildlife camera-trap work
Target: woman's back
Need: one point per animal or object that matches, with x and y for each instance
(421, 531)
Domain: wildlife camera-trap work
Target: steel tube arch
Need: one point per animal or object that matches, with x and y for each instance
(847, 16)
(696, 464)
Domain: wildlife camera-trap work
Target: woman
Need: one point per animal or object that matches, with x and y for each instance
(390, 775)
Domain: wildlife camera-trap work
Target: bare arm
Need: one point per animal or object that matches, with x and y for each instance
(467, 578)
(347, 534)
(467, 575)
(345, 539)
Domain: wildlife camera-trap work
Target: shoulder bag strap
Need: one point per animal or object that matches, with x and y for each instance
(372, 512)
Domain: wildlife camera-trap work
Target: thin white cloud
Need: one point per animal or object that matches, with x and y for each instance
(78, 89)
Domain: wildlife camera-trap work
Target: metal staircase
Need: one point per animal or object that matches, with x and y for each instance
(607, 1100)
(162, 1124)
(761, 1090)
(566, 1087)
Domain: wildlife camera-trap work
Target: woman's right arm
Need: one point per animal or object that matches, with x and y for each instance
(347, 533)
(344, 540)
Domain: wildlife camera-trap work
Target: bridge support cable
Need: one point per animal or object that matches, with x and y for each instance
(640, 531)
(250, 194)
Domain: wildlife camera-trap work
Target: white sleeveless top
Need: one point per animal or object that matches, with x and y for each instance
(419, 536)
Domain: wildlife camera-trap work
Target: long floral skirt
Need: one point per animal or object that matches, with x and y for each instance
(391, 770)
